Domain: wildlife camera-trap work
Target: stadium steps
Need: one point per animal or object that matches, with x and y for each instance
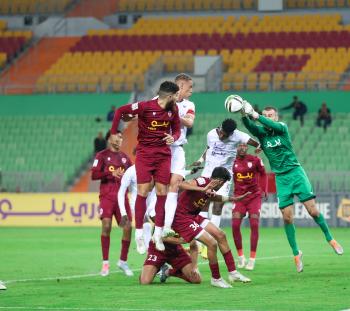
(93, 8)
(39, 58)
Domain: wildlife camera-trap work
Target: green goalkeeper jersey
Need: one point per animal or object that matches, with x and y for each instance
(275, 142)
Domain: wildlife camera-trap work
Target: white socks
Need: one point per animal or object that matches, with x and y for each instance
(170, 208)
(147, 233)
(215, 219)
(157, 231)
(138, 233)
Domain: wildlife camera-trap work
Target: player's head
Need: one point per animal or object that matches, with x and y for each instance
(242, 150)
(185, 84)
(114, 141)
(227, 128)
(168, 92)
(221, 174)
(270, 113)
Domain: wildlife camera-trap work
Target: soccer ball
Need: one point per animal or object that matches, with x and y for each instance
(233, 103)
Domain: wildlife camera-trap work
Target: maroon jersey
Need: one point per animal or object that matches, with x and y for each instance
(107, 161)
(153, 122)
(249, 175)
(192, 202)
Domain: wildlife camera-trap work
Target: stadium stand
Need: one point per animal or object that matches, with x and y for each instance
(271, 52)
(16, 7)
(12, 41)
(47, 163)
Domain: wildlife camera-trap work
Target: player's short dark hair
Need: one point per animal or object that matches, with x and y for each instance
(108, 134)
(271, 108)
(221, 173)
(183, 76)
(168, 87)
(228, 126)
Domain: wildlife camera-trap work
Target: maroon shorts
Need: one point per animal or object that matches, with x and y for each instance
(174, 255)
(153, 164)
(251, 204)
(188, 226)
(109, 208)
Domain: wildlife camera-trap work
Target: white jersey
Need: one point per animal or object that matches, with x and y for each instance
(222, 153)
(185, 107)
(129, 181)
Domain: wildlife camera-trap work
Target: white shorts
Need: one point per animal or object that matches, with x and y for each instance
(225, 189)
(178, 161)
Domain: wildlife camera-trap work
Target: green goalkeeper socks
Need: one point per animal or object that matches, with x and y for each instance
(324, 227)
(290, 232)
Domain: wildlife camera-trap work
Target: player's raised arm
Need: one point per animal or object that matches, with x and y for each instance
(251, 126)
(278, 127)
(132, 109)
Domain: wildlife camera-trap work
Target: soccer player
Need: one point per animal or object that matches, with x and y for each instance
(291, 178)
(190, 225)
(187, 115)
(129, 182)
(176, 256)
(249, 175)
(159, 127)
(108, 167)
(221, 150)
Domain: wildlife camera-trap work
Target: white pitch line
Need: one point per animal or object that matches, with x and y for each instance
(107, 309)
(80, 276)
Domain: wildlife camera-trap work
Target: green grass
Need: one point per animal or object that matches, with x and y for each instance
(38, 253)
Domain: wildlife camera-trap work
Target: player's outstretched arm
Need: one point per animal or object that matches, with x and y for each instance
(201, 159)
(221, 198)
(278, 127)
(251, 126)
(129, 109)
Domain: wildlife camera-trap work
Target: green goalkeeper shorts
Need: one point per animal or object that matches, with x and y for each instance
(294, 182)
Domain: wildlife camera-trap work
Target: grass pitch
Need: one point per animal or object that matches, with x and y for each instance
(57, 269)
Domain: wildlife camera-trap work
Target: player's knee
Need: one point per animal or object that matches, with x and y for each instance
(288, 219)
(196, 278)
(221, 236)
(106, 229)
(145, 280)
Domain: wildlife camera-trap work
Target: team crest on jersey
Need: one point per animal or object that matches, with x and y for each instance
(124, 160)
(154, 113)
(236, 165)
(250, 164)
(170, 114)
(108, 159)
(135, 106)
(200, 181)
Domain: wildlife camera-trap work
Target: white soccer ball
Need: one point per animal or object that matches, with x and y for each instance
(233, 103)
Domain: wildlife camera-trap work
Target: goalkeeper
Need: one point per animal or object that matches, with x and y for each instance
(291, 178)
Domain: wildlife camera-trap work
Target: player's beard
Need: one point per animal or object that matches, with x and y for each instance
(170, 105)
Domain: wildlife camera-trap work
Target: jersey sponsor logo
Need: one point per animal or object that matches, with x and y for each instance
(135, 106)
(95, 163)
(111, 168)
(275, 143)
(200, 203)
(200, 181)
(241, 177)
(155, 124)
